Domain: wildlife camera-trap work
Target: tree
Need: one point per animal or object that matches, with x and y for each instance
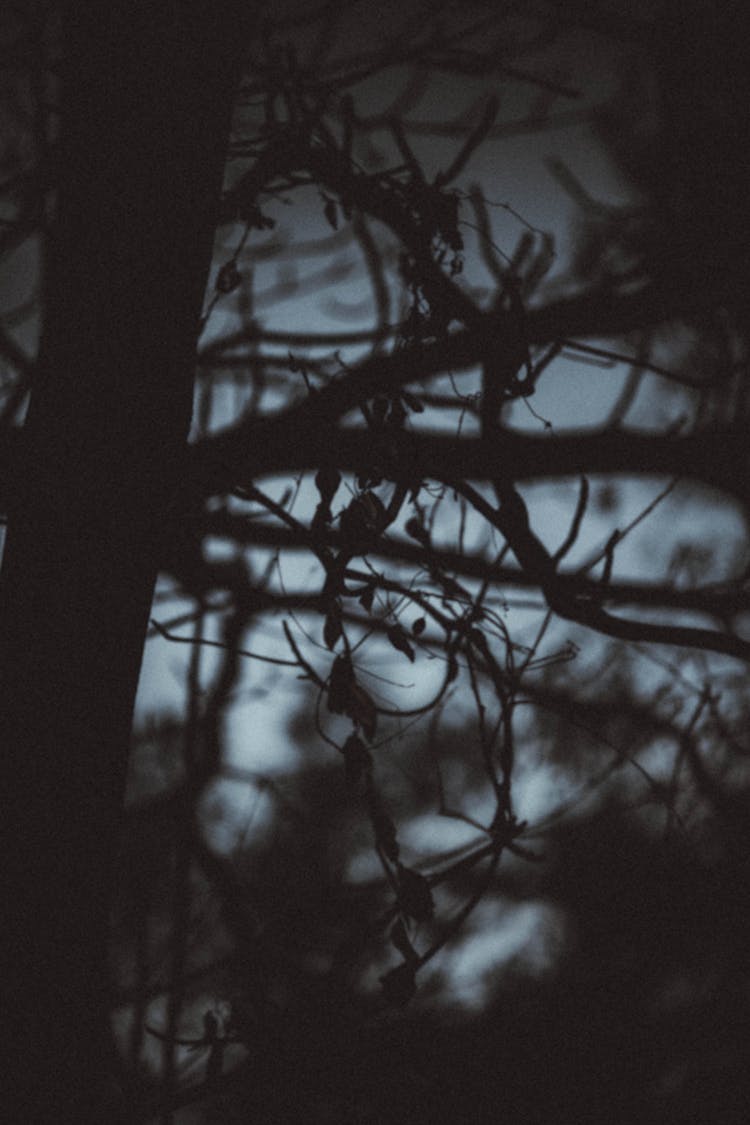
(407, 446)
(145, 109)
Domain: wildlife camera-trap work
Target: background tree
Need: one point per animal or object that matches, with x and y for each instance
(400, 457)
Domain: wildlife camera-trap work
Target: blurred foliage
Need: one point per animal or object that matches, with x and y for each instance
(625, 997)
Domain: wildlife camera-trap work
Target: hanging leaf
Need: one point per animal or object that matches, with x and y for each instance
(383, 827)
(366, 598)
(414, 528)
(353, 522)
(362, 521)
(400, 939)
(228, 277)
(357, 759)
(418, 626)
(347, 697)
(375, 509)
(399, 985)
(362, 709)
(414, 895)
(339, 685)
(451, 588)
(396, 634)
(386, 836)
(332, 626)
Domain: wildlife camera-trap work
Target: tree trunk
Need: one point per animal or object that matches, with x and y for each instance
(146, 98)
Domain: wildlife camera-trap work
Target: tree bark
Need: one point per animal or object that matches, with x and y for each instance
(146, 99)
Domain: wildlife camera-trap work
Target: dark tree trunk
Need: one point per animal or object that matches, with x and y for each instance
(147, 91)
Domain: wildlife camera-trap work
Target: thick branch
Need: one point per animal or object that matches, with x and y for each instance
(301, 437)
(718, 602)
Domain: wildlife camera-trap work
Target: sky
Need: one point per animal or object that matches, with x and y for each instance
(516, 173)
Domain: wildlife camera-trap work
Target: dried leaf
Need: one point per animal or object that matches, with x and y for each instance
(332, 626)
(361, 522)
(414, 895)
(383, 826)
(396, 634)
(451, 588)
(346, 697)
(418, 626)
(339, 685)
(414, 528)
(228, 277)
(362, 709)
(357, 758)
(366, 598)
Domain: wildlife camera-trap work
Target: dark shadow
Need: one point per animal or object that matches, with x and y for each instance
(642, 1016)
